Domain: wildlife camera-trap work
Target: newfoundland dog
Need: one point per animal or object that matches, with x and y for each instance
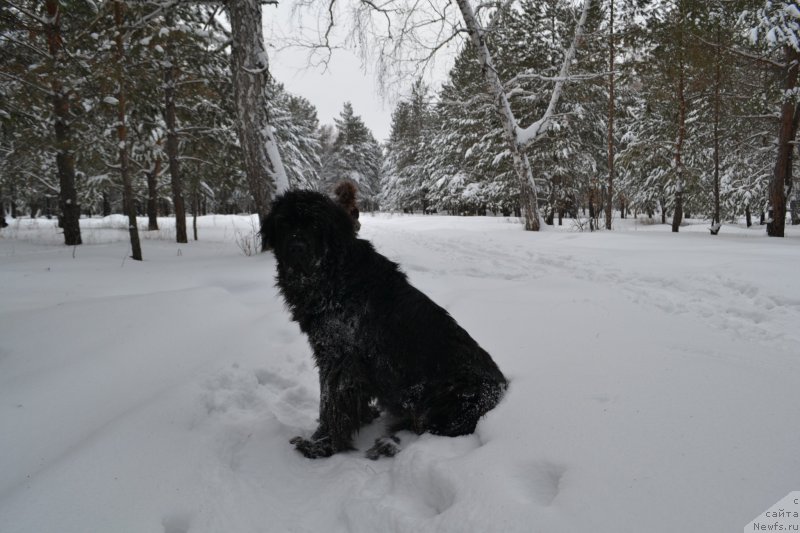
(379, 343)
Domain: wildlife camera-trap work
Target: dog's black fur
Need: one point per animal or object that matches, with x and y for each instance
(379, 343)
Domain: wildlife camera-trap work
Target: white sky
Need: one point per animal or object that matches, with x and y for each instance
(344, 80)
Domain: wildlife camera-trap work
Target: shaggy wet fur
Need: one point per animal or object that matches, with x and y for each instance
(379, 343)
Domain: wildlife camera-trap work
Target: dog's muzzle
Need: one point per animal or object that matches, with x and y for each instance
(298, 254)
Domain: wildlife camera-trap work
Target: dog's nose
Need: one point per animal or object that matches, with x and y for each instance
(297, 247)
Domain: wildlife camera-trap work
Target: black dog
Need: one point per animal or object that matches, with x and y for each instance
(379, 343)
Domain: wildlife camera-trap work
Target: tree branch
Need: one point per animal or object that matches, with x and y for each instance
(46, 91)
(527, 136)
(29, 14)
(26, 45)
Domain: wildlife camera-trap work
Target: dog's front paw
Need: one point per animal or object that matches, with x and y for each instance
(313, 448)
(384, 447)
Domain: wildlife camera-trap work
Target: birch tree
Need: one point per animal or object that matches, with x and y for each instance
(250, 67)
(402, 33)
(517, 137)
(468, 165)
(264, 170)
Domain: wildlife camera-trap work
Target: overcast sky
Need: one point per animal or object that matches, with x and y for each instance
(343, 81)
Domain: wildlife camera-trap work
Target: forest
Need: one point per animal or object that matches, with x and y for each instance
(600, 192)
(666, 109)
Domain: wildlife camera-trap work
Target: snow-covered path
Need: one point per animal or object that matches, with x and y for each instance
(655, 386)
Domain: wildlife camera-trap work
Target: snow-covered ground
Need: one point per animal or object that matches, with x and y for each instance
(655, 384)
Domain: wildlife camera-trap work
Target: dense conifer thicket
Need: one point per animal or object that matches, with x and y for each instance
(672, 108)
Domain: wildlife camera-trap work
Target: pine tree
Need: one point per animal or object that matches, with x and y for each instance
(356, 156)
(296, 131)
(43, 72)
(464, 157)
(778, 23)
(405, 178)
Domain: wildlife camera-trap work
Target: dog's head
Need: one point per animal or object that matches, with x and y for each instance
(303, 227)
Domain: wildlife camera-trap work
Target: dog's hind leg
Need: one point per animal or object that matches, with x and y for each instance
(455, 409)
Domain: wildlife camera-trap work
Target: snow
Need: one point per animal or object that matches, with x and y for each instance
(654, 383)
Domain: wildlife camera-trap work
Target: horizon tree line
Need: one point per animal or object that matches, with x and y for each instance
(676, 107)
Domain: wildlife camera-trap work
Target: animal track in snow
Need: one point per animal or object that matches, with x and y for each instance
(232, 391)
(543, 479)
(724, 303)
(461, 257)
(272, 379)
(747, 310)
(420, 485)
(253, 394)
(176, 523)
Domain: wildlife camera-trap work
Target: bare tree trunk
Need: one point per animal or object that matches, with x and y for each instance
(716, 217)
(69, 218)
(781, 184)
(122, 135)
(250, 66)
(715, 223)
(3, 223)
(195, 208)
(106, 205)
(152, 196)
(677, 216)
(176, 181)
(610, 195)
(3, 212)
